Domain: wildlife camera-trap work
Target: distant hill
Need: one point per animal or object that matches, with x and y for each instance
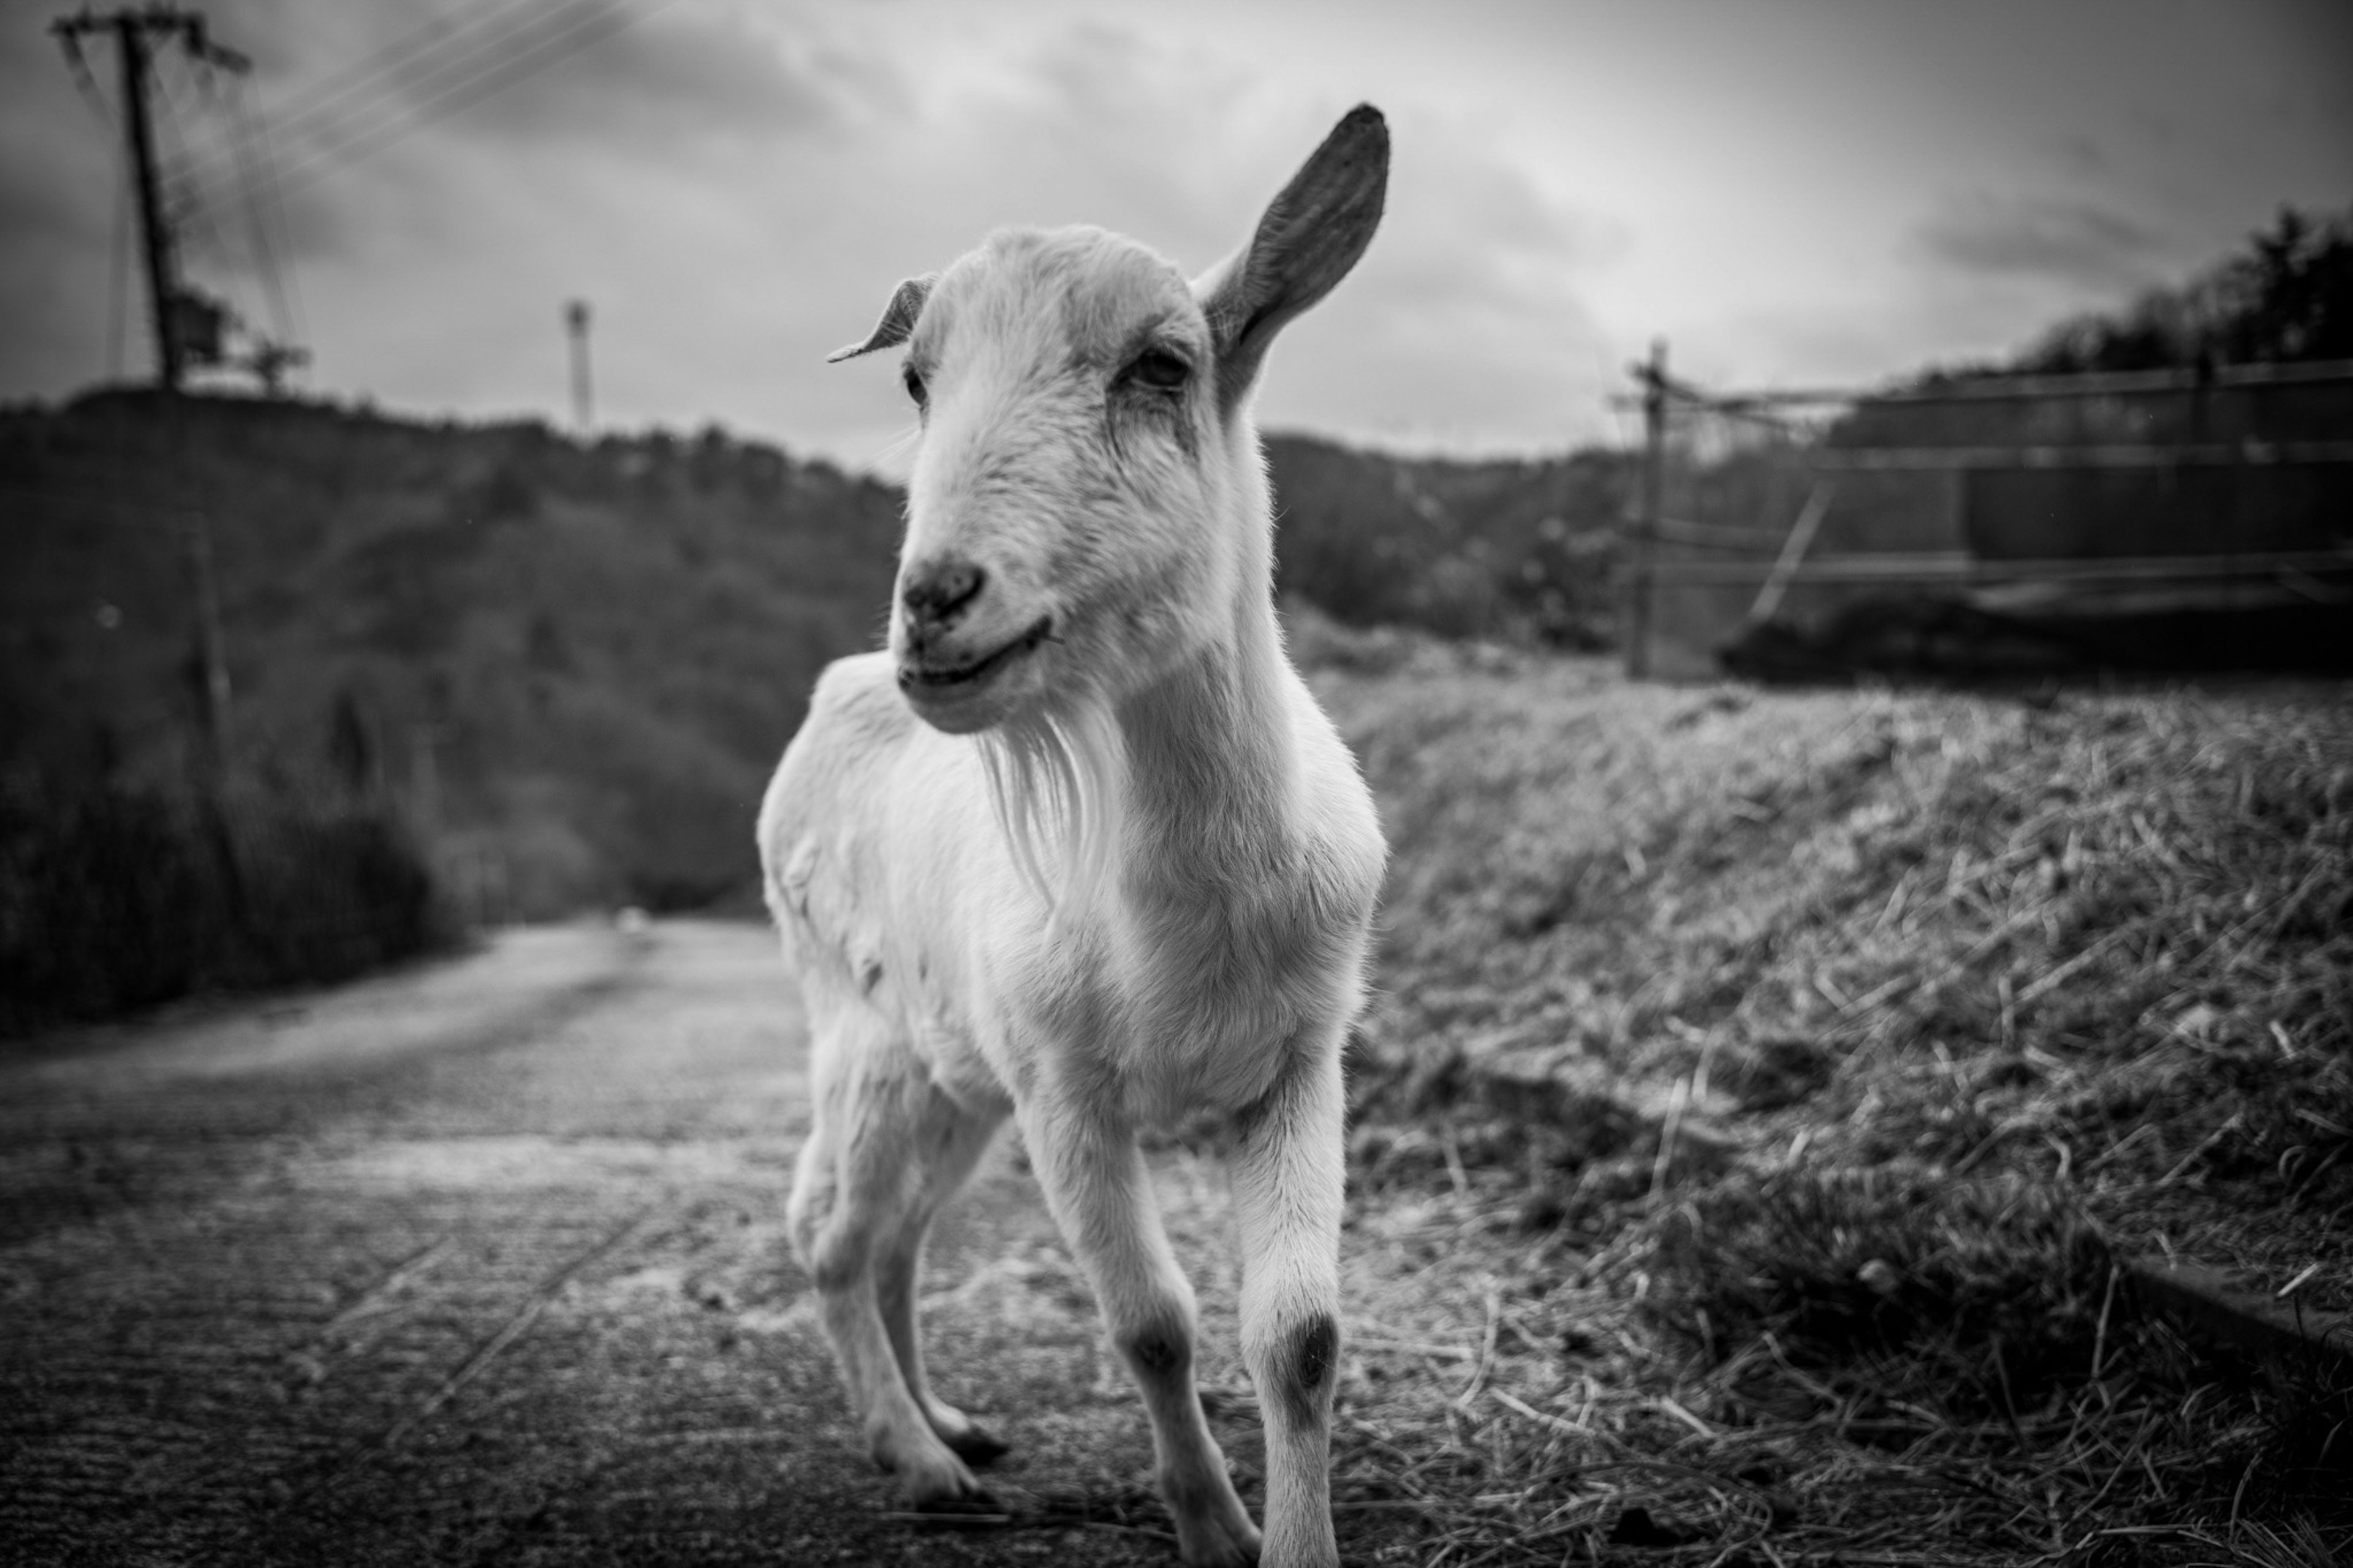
(578, 662)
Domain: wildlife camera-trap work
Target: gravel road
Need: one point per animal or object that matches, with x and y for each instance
(484, 1262)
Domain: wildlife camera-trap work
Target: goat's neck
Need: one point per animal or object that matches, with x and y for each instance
(1211, 762)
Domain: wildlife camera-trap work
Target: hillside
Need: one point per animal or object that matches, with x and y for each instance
(575, 663)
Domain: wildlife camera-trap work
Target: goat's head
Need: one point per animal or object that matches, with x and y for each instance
(1088, 497)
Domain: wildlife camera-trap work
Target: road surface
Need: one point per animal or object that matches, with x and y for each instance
(485, 1262)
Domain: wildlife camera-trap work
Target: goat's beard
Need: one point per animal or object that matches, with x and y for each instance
(1055, 784)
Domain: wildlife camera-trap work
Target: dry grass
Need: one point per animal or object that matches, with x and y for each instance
(1828, 1367)
(1766, 1087)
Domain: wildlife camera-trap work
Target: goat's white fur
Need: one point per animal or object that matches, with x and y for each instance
(1122, 875)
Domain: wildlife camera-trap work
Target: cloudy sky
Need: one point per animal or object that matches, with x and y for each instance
(1787, 192)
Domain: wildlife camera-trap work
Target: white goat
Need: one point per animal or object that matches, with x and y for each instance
(1081, 847)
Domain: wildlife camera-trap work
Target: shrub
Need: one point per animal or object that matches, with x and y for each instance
(114, 898)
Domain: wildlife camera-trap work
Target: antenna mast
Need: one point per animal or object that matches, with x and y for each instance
(576, 326)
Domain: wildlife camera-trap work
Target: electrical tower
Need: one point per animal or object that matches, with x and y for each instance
(186, 324)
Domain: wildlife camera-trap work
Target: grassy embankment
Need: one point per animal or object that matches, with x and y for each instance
(1766, 1089)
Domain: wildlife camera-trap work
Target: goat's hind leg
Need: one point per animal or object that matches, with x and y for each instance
(856, 1181)
(951, 1141)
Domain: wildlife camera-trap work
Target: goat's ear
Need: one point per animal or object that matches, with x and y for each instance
(897, 319)
(1310, 236)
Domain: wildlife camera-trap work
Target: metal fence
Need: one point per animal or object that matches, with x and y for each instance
(2186, 519)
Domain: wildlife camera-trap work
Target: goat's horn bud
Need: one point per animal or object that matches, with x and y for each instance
(897, 319)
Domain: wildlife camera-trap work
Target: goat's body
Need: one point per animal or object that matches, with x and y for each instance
(1217, 950)
(1082, 850)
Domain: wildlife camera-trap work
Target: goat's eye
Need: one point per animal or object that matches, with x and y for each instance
(1160, 370)
(914, 384)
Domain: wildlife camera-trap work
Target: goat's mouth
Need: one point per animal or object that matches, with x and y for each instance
(916, 676)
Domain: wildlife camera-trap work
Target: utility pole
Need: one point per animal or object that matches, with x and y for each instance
(154, 235)
(135, 33)
(576, 326)
(182, 320)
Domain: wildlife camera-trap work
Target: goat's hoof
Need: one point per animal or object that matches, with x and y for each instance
(976, 1446)
(1222, 1545)
(930, 1477)
(938, 1482)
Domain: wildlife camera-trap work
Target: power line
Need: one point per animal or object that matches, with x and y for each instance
(256, 219)
(273, 217)
(399, 83)
(371, 73)
(203, 166)
(499, 75)
(86, 85)
(118, 287)
(400, 86)
(367, 76)
(183, 193)
(224, 128)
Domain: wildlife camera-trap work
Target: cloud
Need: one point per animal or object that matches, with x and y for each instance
(377, 131)
(683, 76)
(1467, 320)
(1464, 321)
(58, 204)
(2043, 237)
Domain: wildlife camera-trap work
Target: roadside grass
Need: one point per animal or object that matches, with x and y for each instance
(1768, 1092)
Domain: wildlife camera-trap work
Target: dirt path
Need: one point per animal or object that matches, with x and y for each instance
(485, 1263)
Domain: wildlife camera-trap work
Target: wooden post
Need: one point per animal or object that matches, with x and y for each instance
(1653, 511)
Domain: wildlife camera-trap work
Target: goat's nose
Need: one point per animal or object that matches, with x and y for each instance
(937, 592)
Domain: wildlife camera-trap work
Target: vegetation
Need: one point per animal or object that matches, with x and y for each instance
(116, 898)
(1816, 1064)
(2286, 296)
(1517, 551)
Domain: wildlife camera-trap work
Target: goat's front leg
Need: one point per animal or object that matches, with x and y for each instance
(1289, 1181)
(1096, 1185)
